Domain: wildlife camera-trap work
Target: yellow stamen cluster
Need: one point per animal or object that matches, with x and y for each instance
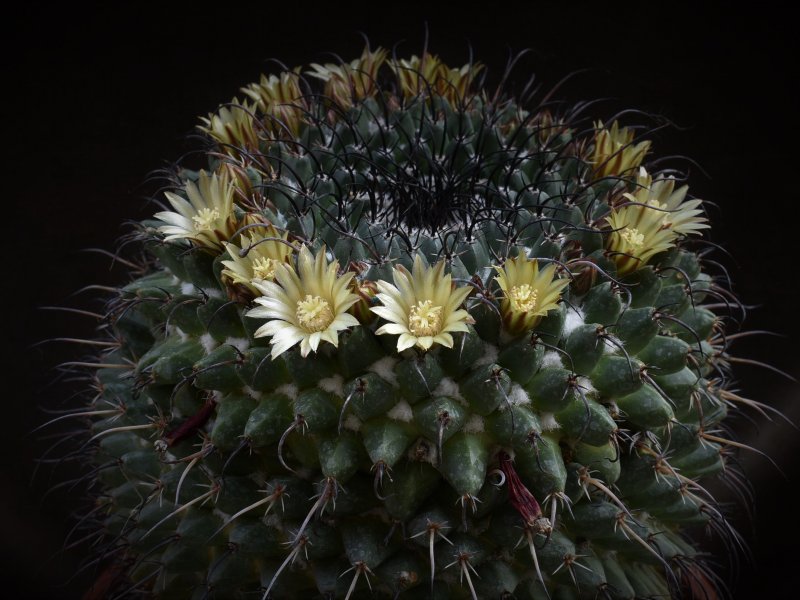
(425, 319)
(523, 298)
(632, 236)
(264, 268)
(313, 313)
(205, 217)
(615, 154)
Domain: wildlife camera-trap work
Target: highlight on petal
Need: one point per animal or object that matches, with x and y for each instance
(307, 305)
(528, 293)
(422, 307)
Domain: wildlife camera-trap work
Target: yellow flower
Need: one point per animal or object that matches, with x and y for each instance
(264, 252)
(351, 81)
(528, 293)
(307, 306)
(651, 222)
(207, 216)
(422, 307)
(614, 150)
(428, 74)
(682, 216)
(280, 100)
(232, 126)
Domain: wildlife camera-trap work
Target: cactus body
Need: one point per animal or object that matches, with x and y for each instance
(404, 338)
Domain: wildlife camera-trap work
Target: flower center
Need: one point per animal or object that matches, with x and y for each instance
(314, 314)
(264, 268)
(204, 219)
(632, 236)
(523, 298)
(425, 319)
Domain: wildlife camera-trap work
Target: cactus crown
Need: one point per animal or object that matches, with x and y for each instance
(452, 346)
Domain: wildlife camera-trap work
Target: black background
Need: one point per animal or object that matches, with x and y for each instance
(99, 98)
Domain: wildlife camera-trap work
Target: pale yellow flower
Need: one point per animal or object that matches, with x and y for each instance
(281, 101)
(651, 223)
(422, 307)
(528, 293)
(308, 306)
(614, 150)
(349, 82)
(684, 217)
(207, 217)
(428, 74)
(232, 126)
(265, 249)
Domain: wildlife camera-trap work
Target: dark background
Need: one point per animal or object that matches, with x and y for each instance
(100, 98)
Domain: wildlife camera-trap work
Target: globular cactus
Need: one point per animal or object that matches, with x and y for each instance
(405, 337)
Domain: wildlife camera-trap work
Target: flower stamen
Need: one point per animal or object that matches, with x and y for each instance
(264, 268)
(314, 313)
(632, 236)
(205, 217)
(425, 319)
(523, 298)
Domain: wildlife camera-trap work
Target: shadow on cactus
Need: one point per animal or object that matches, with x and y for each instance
(407, 337)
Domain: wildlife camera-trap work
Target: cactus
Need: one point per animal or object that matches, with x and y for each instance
(403, 337)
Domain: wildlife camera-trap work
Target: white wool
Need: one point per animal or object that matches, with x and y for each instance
(252, 393)
(273, 520)
(548, 421)
(208, 342)
(573, 321)
(217, 396)
(175, 330)
(448, 387)
(489, 356)
(586, 386)
(241, 344)
(517, 396)
(187, 288)
(211, 293)
(384, 368)
(289, 390)
(352, 423)
(473, 425)
(611, 344)
(430, 454)
(401, 411)
(333, 385)
(551, 359)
